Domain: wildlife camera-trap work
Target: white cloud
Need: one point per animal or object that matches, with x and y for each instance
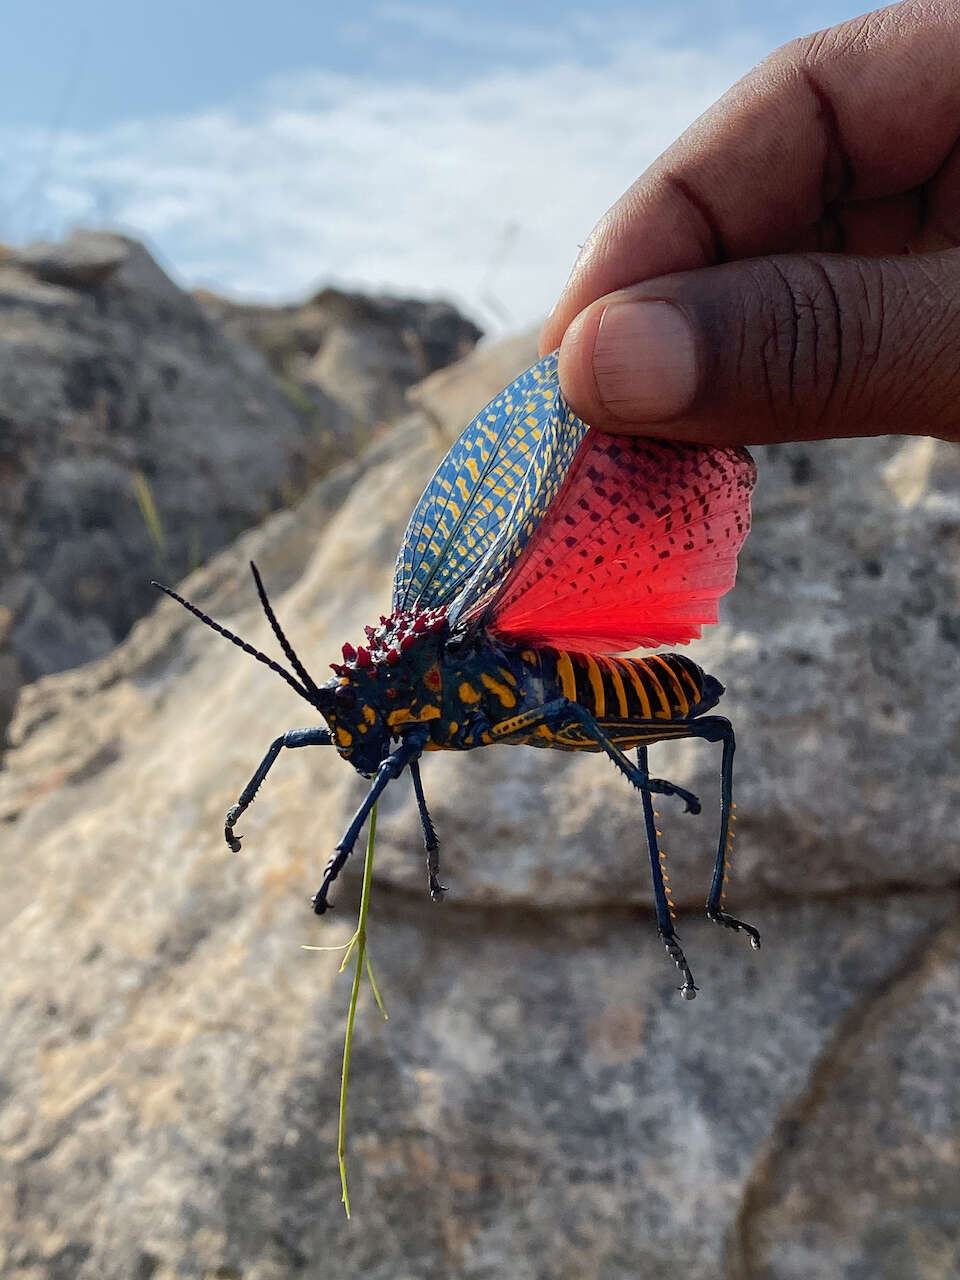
(472, 188)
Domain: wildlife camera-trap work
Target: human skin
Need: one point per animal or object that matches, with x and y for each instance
(788, 269)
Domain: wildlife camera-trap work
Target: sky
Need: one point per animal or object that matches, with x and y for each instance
(264, 149)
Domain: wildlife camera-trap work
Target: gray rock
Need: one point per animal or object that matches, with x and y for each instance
(85, 260)
(452, 396)
(132, 443)
(137, 437)
(354, 351)
(860, 1175)
(540, 1103)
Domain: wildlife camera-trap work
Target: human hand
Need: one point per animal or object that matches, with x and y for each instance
(789, 268)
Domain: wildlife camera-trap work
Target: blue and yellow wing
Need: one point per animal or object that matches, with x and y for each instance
(488, 495)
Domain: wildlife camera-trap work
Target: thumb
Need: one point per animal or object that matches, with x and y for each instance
(796, 347)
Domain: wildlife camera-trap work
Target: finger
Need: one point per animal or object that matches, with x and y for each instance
(789, 348)
(861, 112)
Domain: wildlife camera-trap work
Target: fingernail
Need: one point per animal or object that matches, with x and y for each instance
(645, 361)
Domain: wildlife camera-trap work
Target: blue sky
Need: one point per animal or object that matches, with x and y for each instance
(457, 149)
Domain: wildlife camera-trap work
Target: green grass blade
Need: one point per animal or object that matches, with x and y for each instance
(151, 516)
(360, 938)
(376, 991)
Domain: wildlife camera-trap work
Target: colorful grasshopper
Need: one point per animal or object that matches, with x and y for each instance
(539, 548)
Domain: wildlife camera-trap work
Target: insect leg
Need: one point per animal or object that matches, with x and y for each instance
(640, 777)
(293, 738)
(717, 729)
(561, 711)
(390, 767)
(430, 841)
(660, 787)
(664, 913)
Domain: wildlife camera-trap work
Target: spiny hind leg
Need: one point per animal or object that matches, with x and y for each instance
(717, 729)
(430, 842)
(562, 713)
(661, 891)
(712, 729)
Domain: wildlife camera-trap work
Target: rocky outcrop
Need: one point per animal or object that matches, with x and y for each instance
(540, 1103)
(354, 352)
(137, 436)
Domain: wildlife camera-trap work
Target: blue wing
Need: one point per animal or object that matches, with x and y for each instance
(488, 495)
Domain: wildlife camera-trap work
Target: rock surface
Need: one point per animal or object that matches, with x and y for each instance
(356, 353)
(137, 437)
(540, 1103)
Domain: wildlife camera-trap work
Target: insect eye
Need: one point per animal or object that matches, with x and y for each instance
(345, 696)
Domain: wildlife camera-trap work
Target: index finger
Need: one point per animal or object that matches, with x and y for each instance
(861, 111)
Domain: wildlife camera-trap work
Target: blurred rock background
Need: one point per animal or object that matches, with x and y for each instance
(540, 1103)
(133, 421)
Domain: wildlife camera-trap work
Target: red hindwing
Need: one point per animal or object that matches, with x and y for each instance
(634, 551)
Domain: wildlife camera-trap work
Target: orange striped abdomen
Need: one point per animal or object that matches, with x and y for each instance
(666, 686)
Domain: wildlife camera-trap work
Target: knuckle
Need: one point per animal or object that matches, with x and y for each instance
(799, 351)
(819, 344)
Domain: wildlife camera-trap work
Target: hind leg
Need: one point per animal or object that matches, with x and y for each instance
(664, 908)
(717, 729)
(430, 842)
(563, 714)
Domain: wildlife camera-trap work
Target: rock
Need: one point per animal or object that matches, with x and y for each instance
(85, 260)
(136, 437)
(351, 350)
(861, 1173)
(132, 444)
(452, 396)
(540, 1103)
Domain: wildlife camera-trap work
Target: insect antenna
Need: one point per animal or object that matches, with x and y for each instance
(241, 644)
(278, 632)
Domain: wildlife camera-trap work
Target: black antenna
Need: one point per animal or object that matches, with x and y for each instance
(241, 644)
(278, 632)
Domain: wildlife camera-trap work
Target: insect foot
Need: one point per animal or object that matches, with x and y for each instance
(319, 899)
(719, 916)
(232, 840)
(689, 989)
(660, 786)
(691, 802)
(340, 855)
(437, 890)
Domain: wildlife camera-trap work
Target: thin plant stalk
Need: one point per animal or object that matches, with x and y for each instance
(357, 943)
(151, 516)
